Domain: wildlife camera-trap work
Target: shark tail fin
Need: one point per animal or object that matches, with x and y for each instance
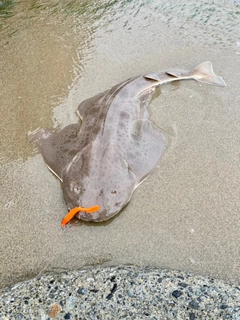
(204, 73)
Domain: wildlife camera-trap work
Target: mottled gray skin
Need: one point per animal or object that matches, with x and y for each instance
(104, 160)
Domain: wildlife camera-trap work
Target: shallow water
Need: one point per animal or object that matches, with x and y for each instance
(186, 215)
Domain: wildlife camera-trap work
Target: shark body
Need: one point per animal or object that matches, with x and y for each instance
(103, 160)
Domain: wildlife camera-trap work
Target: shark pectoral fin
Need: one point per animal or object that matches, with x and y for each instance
(145, 148)
(57, 149)
(152, 76)
(89, 107)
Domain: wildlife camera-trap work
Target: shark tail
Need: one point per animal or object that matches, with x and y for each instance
(204, 73)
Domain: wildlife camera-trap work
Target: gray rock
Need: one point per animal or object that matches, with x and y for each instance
(120, 293)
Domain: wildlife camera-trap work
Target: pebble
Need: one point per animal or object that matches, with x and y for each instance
(126, 292)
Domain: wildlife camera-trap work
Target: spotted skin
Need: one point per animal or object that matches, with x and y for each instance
(103, 161)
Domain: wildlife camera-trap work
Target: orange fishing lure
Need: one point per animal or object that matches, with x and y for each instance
(74, 211)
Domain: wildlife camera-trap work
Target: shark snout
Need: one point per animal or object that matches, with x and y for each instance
(97, 216)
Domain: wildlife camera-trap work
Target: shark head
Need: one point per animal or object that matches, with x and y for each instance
(102, 179)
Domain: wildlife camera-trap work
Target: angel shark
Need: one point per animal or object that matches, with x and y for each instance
(102, 161)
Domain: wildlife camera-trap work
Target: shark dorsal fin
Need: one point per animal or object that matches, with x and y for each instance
(152, 76)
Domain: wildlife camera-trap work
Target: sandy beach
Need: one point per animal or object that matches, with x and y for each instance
(185, 216)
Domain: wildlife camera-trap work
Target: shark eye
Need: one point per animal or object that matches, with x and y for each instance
(77, 189)
(113, 192)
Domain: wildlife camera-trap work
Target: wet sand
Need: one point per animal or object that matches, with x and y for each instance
(185, 216)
